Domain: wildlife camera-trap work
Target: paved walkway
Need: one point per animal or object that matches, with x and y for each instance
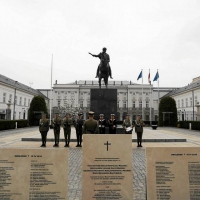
(12, 138)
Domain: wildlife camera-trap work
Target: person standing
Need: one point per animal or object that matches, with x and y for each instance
(56, 122)
(78, 124)
(44, 128)
(67, 122)
(90, 126)
(127, 124)
(139, 130)
(102, 124)
(112, 124)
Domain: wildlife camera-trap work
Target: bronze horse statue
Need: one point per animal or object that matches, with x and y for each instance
(103, 71)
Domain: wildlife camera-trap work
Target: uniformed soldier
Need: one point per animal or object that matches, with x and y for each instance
(102, 124)
(44, 128)
(112, 124)
(67, 122)
(139, 130)
(127, 124)
(78, 124)
(56, 122)
(90, 126)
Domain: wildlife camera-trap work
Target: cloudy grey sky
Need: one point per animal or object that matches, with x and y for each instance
(139, 34)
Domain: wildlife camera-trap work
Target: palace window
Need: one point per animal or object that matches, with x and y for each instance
(178, 103)
(191, 104)
(88, 104)
(4, 97)
(140, 104)
(15, 99)
(58, 103)
(118, 104)
(133, 104)
(147, 104)
(182, 103)
(20, 101)
(195, 100)
(10, 98)
(81, 104)
(124, 104)
(24, 101)
(29, 102)
(186, 102)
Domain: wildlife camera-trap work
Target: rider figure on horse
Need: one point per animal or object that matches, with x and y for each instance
(104, 57)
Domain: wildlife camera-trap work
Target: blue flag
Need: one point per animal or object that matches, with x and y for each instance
(140, 76)
(156, 77)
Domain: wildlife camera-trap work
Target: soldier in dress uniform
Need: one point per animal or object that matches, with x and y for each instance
(56, 123)
(127, 123)
(78, 124)
(67, 122)
(102, 124)
(112, 124)
(44, 128)
(90, 126)
(139, 130)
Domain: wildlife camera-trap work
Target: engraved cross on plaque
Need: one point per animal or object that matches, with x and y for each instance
(107, 144)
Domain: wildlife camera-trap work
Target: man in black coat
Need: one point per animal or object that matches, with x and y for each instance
(112, 124)
(78, 124)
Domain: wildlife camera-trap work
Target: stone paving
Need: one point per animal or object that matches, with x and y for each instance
(12, 138)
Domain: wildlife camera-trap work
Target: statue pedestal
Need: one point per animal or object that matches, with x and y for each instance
(103, 101)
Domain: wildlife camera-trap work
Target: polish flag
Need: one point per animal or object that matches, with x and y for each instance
(149, 80)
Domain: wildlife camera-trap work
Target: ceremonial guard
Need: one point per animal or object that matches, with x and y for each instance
(44, 128)
(139, 130)
(67, 122)
(112, 124)
(102, 124)
(90, 126)
(127, 125)
(56, 123)
(78, 124)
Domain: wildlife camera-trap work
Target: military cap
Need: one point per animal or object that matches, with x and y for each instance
(104, 48)
(101, 115)
(91, 113)
(112, 114)
(79, 114)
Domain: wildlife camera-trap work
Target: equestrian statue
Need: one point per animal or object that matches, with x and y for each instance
(103, 70)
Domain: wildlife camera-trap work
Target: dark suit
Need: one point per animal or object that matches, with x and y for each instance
(102, 126)
(112, 124)
(78, 124)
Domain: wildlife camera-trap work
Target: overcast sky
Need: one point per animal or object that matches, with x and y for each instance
(138, 34)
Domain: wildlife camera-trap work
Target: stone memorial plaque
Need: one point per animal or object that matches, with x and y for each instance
(107, 167)
(173, 173)
(33, 174)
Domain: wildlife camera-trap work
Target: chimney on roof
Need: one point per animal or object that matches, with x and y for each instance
(56, 82)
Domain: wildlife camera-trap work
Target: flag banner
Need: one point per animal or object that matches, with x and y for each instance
(156, 77)
(149, 80)
(140, 76)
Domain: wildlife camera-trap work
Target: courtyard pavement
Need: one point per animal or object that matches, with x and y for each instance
(12, 139)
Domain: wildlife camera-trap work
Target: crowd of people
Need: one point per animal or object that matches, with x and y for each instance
(89, 126)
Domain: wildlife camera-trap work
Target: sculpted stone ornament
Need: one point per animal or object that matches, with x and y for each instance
(103, 70)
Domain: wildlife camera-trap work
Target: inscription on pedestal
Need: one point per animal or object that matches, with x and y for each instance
(107, 167)
(173, 173)
(33, 174)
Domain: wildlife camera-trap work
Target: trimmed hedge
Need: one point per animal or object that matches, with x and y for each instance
(10, 124)
(185, 124)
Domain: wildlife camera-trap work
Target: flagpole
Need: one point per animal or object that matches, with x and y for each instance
(142, 96)
(51, 87)
(150, 97)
